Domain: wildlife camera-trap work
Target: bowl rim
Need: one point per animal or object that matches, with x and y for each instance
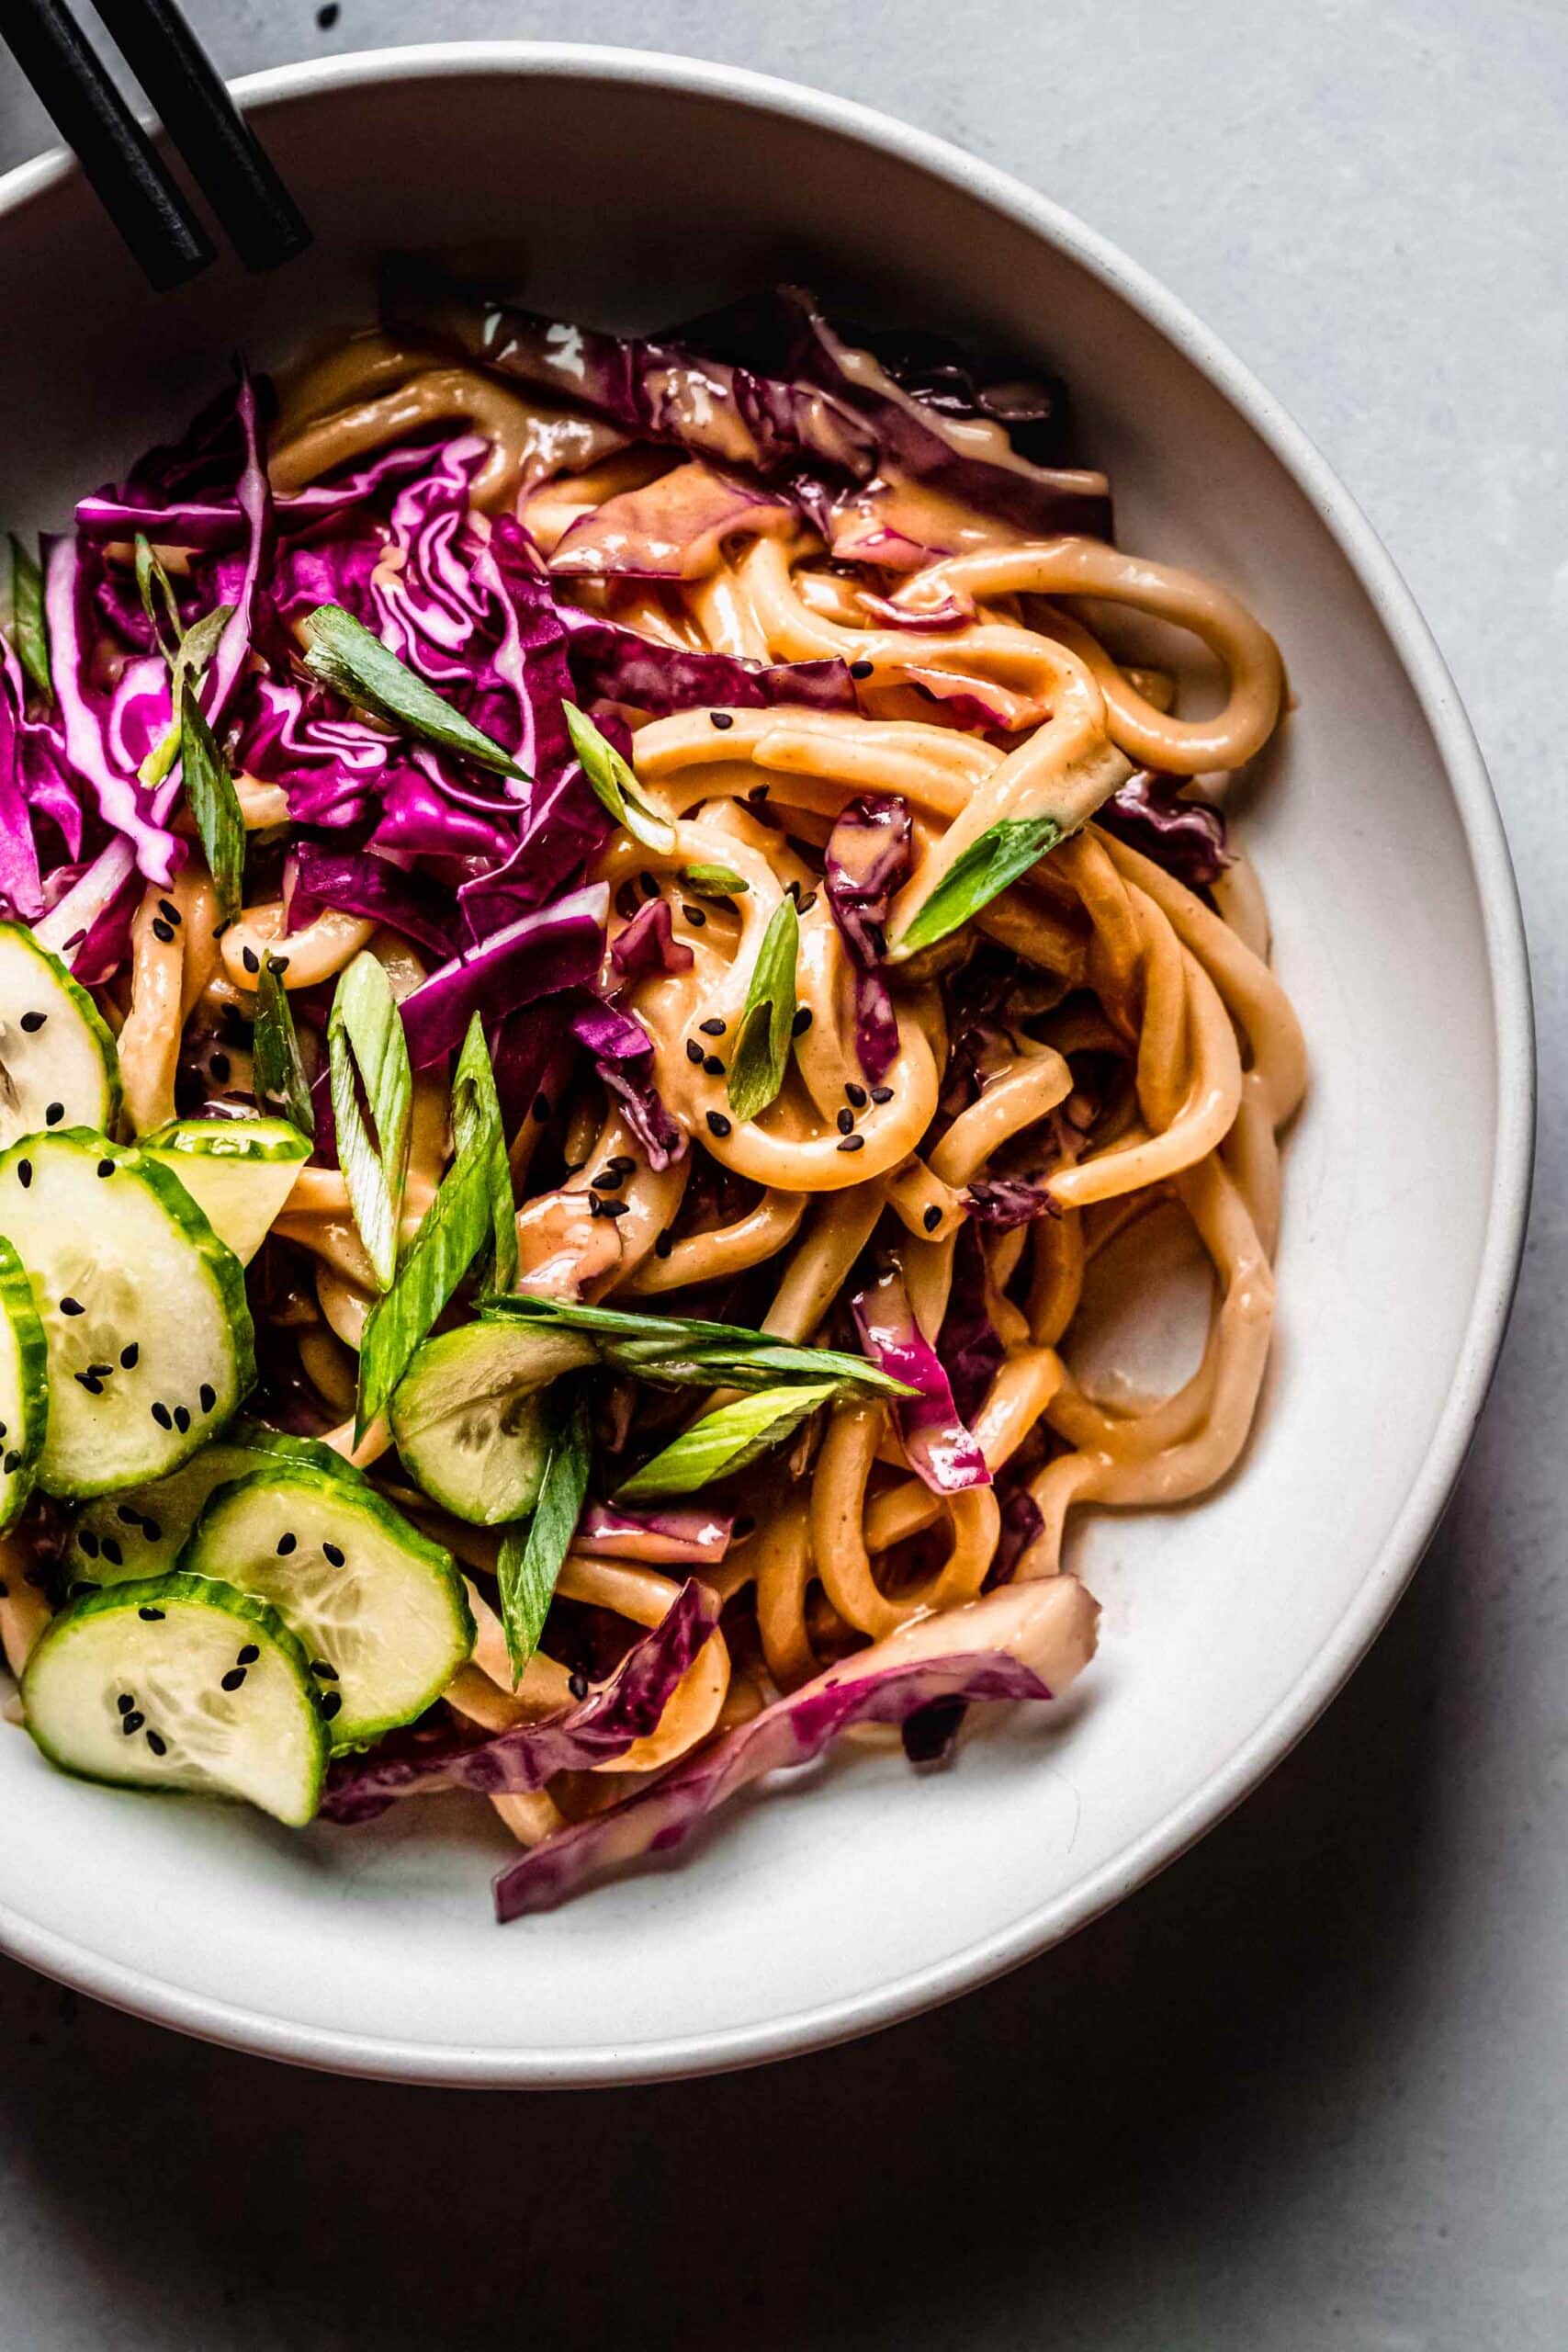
(904, 1996)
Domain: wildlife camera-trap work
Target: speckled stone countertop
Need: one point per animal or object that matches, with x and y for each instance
(1308, 2090)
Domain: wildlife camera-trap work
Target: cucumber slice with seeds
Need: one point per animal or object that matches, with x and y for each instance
(58, 1063)
(140, 1531)
(180, 1682)
(24, 1387)
(237, 1171)
(467, 1416)
(380, 1610)
(144, 1309)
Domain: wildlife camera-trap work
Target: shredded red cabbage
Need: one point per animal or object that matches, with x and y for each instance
(648, 944)
(1152, 813)
(941, 1450)
(558, 947)
(619, 665)
(867, 860)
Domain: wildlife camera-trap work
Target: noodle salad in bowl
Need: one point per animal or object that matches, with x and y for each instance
(600, 934)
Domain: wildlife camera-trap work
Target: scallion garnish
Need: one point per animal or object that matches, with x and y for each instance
(716, 881)
(29, 630)
(215, 805)
(477, 1131)
(673, 1351)
(616, 785)
(344, 654)
(369, 1058)
(530, 1561)
(724, 1442)
(760, 1058)
(278, 1065)
(1003, 852)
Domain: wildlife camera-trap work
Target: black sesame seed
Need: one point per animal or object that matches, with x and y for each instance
(233, 1679)
(5, 1590)
(623, 1164)
(152, 1531)
(182, 1418)
(718, 1125)
(127, 1515)
(112, 1552)
(168, 909)
(80, 1587)
(157, 1743)
(72, 1307)
(331, 1703)
(801, 1023)
(248, 1656)
(219, 1066)
(792, 889)
(161, 930)
(330, 1554)
(162, 1415)
(846, 1123)
(851, 1143)
(25, 1170)
(132, 1724)
(714, 1028)
(647, 884)
(250, 959)
(124, 1702)
(33, 1021)
(595, 1204)
(90, 1383)
(577, 1684)
(693, 1052)
(2, 1430)
(286, 1545)
(664, 1244)
(322, 1671)
(101, 1371)
(106, 1166)
(608, 1180)
(694, 916)
(808, 903)
(279, 965)
(757, 795)
(614, 1208)
(541, 1107)
(89, 1543)
(128, 1356)
(881, 1095)
(855, 1094)
(723, 719)
(713, 1065)
(53, 1114)
(207, 1395)
(11, 1464)
(931, 1219)
(862, 669)
(151, 1616)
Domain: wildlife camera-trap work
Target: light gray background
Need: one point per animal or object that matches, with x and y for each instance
(1308, 2090)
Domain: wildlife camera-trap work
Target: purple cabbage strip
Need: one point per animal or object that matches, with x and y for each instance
(598, 1729)
(1003, 1201)
(216, 524)
(866, 860)
(676, 1535)
(967, 1344)
(792, 1731)
(648, 944)
(619, 665)
(252, 495)
(74, 918)
(417, 817)
(564, 826)
(359, 884)
(67, 595)
(655, 390)
(941, 1452)
(670, 529)
(623, 1054)
(556, 949)
(1151, 814)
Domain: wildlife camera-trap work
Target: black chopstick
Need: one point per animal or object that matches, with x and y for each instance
(228, 163)
(117, 159)
(115, 152)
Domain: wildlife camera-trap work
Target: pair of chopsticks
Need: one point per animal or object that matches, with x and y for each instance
(149, 208)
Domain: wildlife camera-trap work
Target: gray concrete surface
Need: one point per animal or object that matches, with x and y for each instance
(1309, 2089)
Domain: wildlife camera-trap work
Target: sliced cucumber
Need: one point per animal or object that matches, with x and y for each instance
(180, 1682)
(24, 1387)
(467, 1419)
(58, 1063)
(381, 1610)
(237, 1171)
(150, 1340)
(140, 1531)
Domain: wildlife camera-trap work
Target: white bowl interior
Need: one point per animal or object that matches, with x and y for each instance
(833, 1904)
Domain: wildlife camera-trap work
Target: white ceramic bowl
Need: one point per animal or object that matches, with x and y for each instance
(636, 188)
